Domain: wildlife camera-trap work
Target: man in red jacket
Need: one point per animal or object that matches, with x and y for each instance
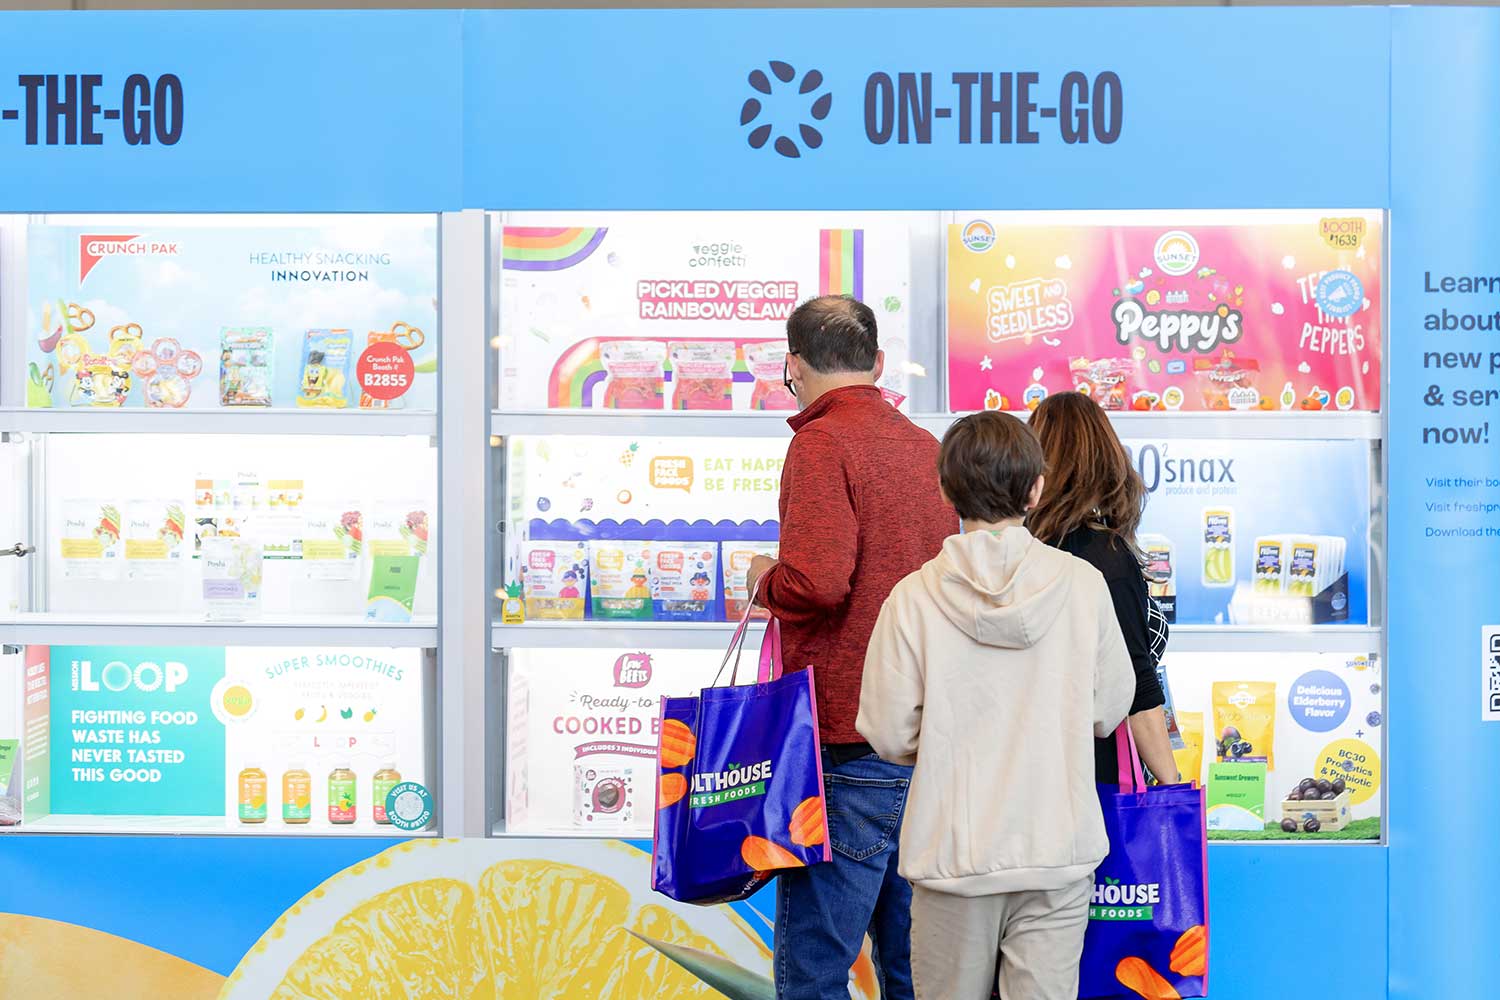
(860, 509)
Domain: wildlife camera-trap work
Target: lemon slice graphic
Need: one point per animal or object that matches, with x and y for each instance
(491, 920)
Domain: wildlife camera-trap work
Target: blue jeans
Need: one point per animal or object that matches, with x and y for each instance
(824, 911)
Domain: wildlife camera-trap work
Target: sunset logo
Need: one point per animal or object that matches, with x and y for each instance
(978, 236)
(1176, 253)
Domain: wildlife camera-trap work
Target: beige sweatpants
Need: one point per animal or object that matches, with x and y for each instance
(1034, 938)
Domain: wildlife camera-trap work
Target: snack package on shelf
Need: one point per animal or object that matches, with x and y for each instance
(1190, 756)
(620, 579)
(554, 576)
(1245, 720)
(767, 363)
(1228, 383)
(1161, 572)
(246, 356)
(637, 378)
(1218, 547)
(683, 578)
(736, 557)
(1105, 381)
(326, 357)
(703, 375)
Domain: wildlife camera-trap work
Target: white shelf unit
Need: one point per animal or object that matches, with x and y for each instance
(49, 629)
(374, 423)
(200, 826)
(1272, 426)
(672, 635)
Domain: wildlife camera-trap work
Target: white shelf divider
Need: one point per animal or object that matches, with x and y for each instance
(1274, 426)
(200, 826)
(715, 635)
(387, 423)
(49, 629)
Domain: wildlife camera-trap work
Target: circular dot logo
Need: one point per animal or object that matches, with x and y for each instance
(802, 104)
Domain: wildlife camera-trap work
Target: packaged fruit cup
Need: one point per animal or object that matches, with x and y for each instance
(736, 558)
(1218, 547)
(603, 796)
(684, 580)
(620, 579)
(554, 576)
(767, 363)
(1245, 720)
(252, 795)
(637, 379)
(703, 375)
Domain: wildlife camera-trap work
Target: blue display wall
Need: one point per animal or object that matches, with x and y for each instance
(1190, 108)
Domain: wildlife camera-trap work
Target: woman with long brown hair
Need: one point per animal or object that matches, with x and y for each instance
(1091, 507)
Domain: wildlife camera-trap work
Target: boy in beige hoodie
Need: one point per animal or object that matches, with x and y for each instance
(992, 669)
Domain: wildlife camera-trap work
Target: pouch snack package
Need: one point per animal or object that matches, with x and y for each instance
(553, 578)
(1245, 720)
(619, 579)
(1106, 382)
(326, 355)
(683, 580)
(1271, 556)
(703, 375)
(1190, 757)
(1169, 709)
(1218, 547)
(1161, 573)
(245, 372)
(637, 379)
(1228, 383)
(736, 558)
(767, 363)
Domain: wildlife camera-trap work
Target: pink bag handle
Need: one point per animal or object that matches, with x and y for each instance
(770, 648)
(1129, 759)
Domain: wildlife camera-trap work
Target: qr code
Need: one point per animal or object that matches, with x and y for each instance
(1489, 655)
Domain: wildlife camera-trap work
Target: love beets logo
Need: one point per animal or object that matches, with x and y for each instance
(785, 108)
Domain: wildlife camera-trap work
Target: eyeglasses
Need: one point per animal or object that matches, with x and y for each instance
(786, 373)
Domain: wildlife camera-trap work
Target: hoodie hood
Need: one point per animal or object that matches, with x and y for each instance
(1000, 588)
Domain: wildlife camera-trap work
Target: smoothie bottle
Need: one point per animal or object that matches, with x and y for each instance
(385, 779)
(252, 795)
(296, 796)
(342, 794)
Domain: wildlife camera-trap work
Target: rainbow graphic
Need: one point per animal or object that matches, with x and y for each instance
(528, 248)
(841, 262)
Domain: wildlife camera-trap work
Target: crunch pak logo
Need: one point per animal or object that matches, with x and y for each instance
(94, 248)
(738, 781)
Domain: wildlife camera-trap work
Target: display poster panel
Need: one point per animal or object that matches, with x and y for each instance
(337, 316)
(1219, 312)
(683, 313)
(265, 739)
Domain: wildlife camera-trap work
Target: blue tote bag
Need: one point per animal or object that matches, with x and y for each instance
(1148, 919)
(740, 785)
